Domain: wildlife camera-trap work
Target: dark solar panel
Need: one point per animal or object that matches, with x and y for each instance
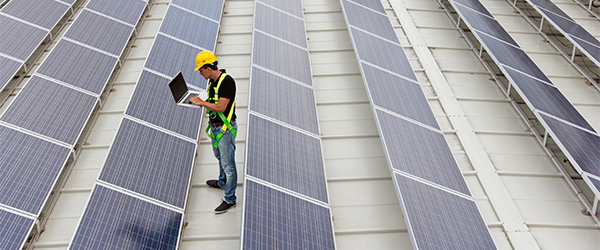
(45, 13)
(546, 98)
(593, 52)
(293, 7)
(209, 8)
(421, 152)
(113, 220)
(283, 100)
(62, 116)
(8, 69)
(281, 57)
(100, 32)
(19, 39)
(575, 30)
(382, 53)
(281, 25)
(441, 220)
(285, 157)
(29, 167)
(374, 5)
(582, 146)
(128, 11)
(474, 4)
(276, 220)
(485, 24)
(549, 6)
(150, 162)
(595, 182)
(153, 102)
(190, 28)
(376, 23)
(169, 57)
(78, 66)
(14, 230)
(398, 95)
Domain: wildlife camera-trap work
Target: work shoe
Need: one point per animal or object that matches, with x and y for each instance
(224, 207)
(213, 183)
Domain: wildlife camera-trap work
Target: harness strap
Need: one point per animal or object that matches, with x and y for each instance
(226, 121)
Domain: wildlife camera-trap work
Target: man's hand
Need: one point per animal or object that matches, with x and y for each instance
(196, 100)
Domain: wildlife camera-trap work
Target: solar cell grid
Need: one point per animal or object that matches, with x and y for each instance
(374, 5)
(281, 57)
(283, 100)
(128, 11)
(79, 66)
(190, 28)
(281, 25)
(363, 18)
(100, 32)
(569, 27)
(473, 4)
(19, 39)
(8, 68)
(549, 6)
(593, 52)
(45, 13)
(276, 220)
(14, 230)
(209, 8)
(285, 157)
(113, 220)
(293, 7)
(153, 102)
(484, 24)
(150, 162)
(29, 167)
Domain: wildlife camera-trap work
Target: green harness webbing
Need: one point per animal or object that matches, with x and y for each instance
(226, 121)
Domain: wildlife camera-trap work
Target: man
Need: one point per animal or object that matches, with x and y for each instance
(222, 129)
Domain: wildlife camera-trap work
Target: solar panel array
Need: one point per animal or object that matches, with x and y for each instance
(139, 198)
(25, 25)
(437, 205)
(43, 124)
(573, 134)
(286, 204)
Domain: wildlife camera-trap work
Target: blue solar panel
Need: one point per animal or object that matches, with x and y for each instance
(8, 69)
(100, 32)
(570, 27)
(582, 146)
(45, 13)
(441, 220)
(153, 102)
(293, 7)
(14, 230)
(281, 25)
(474, 4)
(63, 115)
(279, 98)
(281, 57)
(128, 11)
(190, 28)
(374, 5)
(150, 162)
(398, 95)
(285, 157)
(593, 52)
(19, 39)
(549, 6)
(365, 19)
(29, 167)
(420, 152)
(546, 98)
(276, 220)
(78, 66)
(113, 220)
(169, 57)
(485, 24)
(382, 53)
(209, 8)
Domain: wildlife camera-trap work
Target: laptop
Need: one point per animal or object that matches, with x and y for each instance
(182, 94)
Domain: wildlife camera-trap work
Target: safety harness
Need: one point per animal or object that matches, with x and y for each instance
(226, 121)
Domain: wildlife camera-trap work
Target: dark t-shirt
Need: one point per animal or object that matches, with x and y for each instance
(226, 90)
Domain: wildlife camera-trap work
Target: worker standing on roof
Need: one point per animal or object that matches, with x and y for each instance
(222, 128)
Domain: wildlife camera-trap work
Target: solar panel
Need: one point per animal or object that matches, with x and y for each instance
(169, 56)
(209, 8)
(19, 39)
(381, 53)
(292, 7)
(128, 11)
(280, 24)
(8, 69)
(276, 220)
(285, 157)
(14, 230)
(281, 57)
(475, 5)
(178, 23)
(366, 19)
(150, 162)
(100, 32)
(153, 102)
(62, 116)
(114, 220)
(592, 51)
(374, 5)
(546, 98)
(283, 100)
(79, 66)
(595, 182)
(549, 6)
(485, 24)
(45, 13)
(570, 27)
(398, 95)
(28, 167)
(438, 219)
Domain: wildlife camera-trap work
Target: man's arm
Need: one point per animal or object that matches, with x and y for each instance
(215, 107)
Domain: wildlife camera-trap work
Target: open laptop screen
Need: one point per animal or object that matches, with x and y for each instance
(178, 87)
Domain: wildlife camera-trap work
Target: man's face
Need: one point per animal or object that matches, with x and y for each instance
(204, 72)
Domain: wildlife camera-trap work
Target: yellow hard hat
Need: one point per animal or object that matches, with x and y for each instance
(203, 58)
